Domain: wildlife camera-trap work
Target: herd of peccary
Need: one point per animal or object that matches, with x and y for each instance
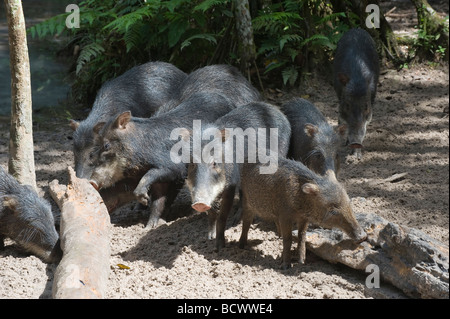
(155, 132)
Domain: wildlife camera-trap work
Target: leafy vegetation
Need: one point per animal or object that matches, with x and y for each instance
(427, 41)
(292, 37)
(116, 35)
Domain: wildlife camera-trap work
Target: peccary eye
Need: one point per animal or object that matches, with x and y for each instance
(106, 146)
(319, 156)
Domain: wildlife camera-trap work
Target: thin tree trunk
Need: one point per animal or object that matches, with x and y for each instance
(245, 33)
(21, 156)
(247, 48)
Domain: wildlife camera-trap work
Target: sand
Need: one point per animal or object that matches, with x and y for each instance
(409, 134)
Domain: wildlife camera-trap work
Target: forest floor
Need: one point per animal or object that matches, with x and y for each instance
(409, 134)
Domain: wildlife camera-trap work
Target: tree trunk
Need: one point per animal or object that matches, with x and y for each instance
(405, 257)
(85, 241)
(21, 156)
(434, 30)
(245, 33)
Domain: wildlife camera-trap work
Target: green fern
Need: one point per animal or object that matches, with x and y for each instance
(330, 17)
(318, 39)
(289, 38)
(290, 75)
(208, 4)
(88, 53)
(208, 37)
(52, 26)
(123, 23)
(133, 36)
(275, 22)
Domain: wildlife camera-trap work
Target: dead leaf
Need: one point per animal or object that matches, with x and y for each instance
(122, 266)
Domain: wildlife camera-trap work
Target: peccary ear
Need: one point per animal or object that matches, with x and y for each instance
(343, 78)
(97, 128)
(74, 124)
(10, 202)
(311, 130)
(341, 130)
(122, 120)
(311, 189)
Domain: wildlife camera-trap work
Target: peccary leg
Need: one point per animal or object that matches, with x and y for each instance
(302, 227)
(247, 218)
(2, 244)
(212, 217)
(159, 193)
(286, 233)
(152, 176)
(225, 208)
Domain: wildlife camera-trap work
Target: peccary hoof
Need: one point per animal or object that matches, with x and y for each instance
(285, 266)
(220, 243)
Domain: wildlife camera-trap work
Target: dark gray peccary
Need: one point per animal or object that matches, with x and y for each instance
(27, 219)
(212, 179)
(222, 79)
(313, 141)
(356, 71)
(219, 80)
(140, 148)
(295, 194)
(142, 90)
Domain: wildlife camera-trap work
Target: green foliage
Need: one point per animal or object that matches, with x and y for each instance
(290, 36)
(116, 35)
(428, 38)
(90, 52)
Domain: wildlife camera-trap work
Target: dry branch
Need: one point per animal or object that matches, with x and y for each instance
(407, 258)
(85, 237)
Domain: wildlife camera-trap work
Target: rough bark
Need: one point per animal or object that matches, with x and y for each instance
(85, 241)
(407, 258)
(245, 33)
(21, 156)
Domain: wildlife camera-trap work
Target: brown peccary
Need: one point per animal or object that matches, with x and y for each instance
(294, 193)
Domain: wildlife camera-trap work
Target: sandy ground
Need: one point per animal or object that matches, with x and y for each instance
(409, 134)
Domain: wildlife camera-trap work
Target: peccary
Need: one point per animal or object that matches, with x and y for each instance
(356, 72)
(213, 178)
(27, 219)
(313, 141)
(143, 90)
(295, 194)
(140, 149)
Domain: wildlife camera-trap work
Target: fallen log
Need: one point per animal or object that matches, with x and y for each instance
(406, 257)
(85, 237)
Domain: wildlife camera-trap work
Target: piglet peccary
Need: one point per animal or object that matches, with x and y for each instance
(294, 193)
